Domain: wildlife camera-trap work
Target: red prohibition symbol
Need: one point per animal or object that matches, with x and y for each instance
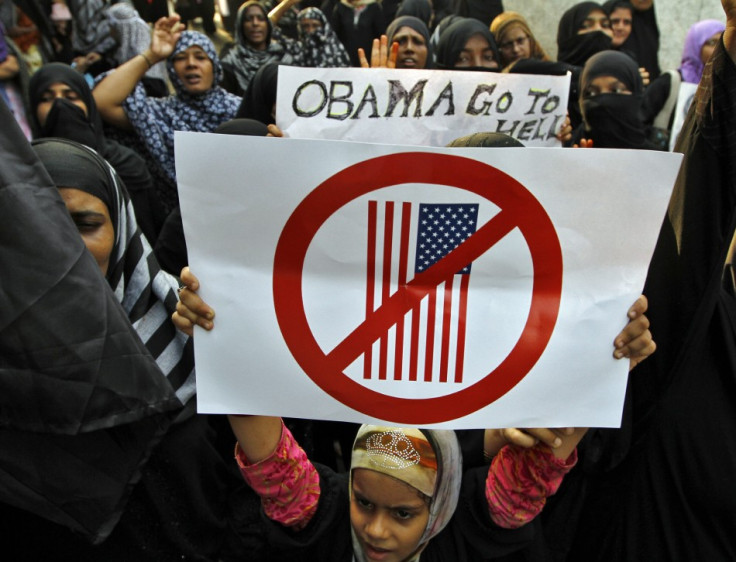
(518, 209)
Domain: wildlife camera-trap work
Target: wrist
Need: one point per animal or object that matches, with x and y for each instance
(151, 58)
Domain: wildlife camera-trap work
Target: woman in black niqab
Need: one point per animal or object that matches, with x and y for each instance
(612, 119)
(67, 120)
(575, 45)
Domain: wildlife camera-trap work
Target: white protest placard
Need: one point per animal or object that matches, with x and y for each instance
(684, 99)
(426, 107)
(326, 263)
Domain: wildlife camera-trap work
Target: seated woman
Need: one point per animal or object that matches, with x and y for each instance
(62, 106)
(199, 104)
(515, 39)
(406, 494)
(611, 96)
(467, 44)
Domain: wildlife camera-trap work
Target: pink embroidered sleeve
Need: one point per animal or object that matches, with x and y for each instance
(286, 481)
(519, 482)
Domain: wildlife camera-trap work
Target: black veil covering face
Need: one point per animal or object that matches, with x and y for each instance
(574, 48)
(82, 400)
(66, 120)
(614, 120)
(455, 36)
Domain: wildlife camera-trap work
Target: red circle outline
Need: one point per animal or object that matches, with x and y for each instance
(428, 168)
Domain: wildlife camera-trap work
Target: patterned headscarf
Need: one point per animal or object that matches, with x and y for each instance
(145, 291)
(156, 119)
(242, 60)
(427, 460)
(133, 35)
(698, 34)
(322, 48)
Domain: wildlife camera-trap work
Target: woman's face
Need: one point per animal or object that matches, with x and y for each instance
(93, 221)
(516, 45)
(387, 515)
(709, 46)
(621, 20)
(412, 48)
(476, 53)
(194, 69)
(310, 25)
(597, 20)
(57, 90)
(606, 85)
(255, 27)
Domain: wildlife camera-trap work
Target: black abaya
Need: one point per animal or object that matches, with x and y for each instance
(661, 488)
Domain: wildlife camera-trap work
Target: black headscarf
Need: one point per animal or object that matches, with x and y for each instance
(574, 48)
(66, 120)
(82, 402)
(417, 25)
(420, 9)
(147, 294)
(258, 102)
(613, 120)
(456, 35)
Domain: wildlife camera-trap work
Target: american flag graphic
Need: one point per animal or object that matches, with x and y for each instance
(428, 342)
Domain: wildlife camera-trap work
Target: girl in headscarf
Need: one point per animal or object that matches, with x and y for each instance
(611, 93)
(660, 98)
(400, 501)
(62, 106)
(467, 44)
(621, 14)
(700, 42)
(255, 45)
(584, 30)
(199, 104)
(515, 39)
(412, 36)
(318, 45)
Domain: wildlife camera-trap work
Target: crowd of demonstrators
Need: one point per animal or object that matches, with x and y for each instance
(102, 92)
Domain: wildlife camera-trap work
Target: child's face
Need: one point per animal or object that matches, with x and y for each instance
(387, 515)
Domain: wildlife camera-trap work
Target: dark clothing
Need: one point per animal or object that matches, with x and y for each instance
(576, 49)
(68, 121)
(370, 25)
(470, 535)
(644, 41)
(151, 10)
(482, 10)
(661, 487)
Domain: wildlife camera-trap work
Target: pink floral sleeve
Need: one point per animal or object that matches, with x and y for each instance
(520, 481)
(286, 481)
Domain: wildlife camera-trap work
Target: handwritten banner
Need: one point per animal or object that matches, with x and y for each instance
(426, 107)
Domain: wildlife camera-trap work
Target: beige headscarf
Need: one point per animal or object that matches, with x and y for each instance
(506, 21)
(428, 460)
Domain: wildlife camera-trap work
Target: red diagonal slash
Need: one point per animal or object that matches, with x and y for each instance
(409, 295)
